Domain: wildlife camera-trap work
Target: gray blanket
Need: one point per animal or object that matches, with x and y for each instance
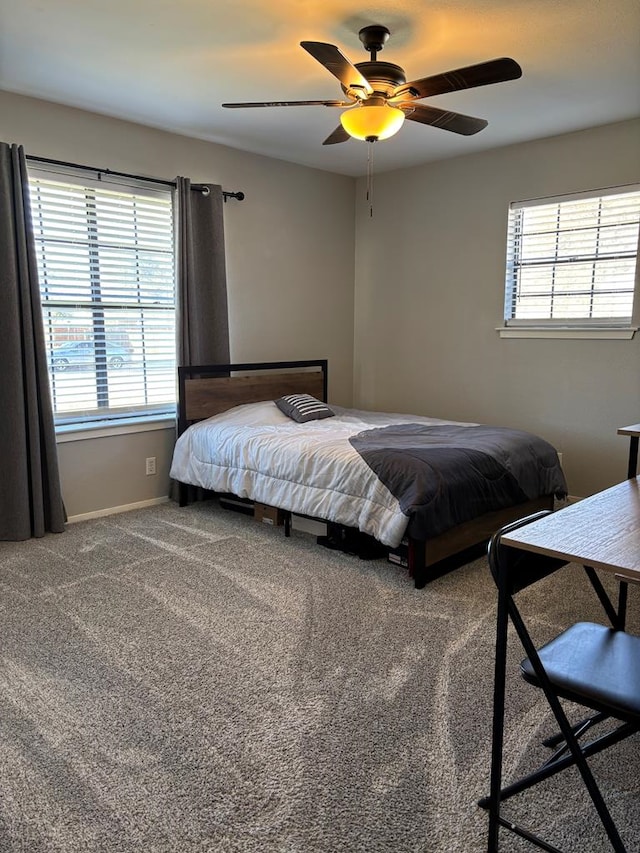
(445, 475)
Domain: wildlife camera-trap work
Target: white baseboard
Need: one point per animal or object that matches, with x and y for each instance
(307, 525)
(112, 510)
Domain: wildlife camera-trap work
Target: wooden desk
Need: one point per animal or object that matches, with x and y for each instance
(602, 531)
(633, 432)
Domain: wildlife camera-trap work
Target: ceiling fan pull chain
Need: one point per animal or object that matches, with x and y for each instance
(370, 176)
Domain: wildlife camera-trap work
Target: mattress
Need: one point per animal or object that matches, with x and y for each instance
(331, 469)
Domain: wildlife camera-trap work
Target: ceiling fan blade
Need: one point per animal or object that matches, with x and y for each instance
(493, 71)
(456, 122)
(338, 64)
(291, 104)
(338, 135)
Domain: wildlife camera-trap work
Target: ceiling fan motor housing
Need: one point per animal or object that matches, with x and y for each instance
(384, 77)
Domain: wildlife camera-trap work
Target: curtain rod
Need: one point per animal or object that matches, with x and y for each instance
(197, 187)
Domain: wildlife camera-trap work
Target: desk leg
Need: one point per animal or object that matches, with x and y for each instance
(633, 457)
(616, 617)
(622, 604)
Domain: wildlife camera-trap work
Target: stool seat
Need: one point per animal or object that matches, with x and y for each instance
(594, 665)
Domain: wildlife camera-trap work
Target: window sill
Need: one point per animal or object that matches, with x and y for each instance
(567, 332)
(82, 432)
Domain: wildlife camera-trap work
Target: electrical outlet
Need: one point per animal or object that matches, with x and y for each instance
(151, 465)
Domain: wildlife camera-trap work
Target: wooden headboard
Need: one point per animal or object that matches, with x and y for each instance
(206, 390)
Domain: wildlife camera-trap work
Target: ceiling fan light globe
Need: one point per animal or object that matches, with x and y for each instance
(372, 122)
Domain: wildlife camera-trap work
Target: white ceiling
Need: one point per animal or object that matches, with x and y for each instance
(171, 63)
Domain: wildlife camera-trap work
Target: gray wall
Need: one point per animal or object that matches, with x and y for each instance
(290, 264)
(418, 333)
(430, 294)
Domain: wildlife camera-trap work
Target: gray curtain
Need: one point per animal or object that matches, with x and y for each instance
(202, 317)
(30, 496)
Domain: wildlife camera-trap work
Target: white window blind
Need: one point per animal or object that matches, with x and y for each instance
(572, 260)
(107, 281)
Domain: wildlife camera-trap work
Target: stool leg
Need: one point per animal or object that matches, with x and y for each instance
(567, 731)
(497, 740)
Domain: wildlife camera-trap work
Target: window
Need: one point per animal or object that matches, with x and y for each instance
(571, 260)
(107, 283)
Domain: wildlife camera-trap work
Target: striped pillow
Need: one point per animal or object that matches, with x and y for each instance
(303, 408)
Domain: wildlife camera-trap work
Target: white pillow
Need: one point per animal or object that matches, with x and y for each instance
(264, 413)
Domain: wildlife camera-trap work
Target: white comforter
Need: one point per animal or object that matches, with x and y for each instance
(256, 452)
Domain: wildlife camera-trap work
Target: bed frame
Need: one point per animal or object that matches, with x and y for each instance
(206, 390)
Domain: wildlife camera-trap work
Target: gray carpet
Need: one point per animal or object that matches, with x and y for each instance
(190, 680)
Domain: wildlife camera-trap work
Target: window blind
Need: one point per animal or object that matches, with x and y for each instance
(107, 281)
(572, 260)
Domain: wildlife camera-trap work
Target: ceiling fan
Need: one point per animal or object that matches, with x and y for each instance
(378, 97)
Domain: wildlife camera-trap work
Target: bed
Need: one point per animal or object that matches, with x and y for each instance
(440, 487)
